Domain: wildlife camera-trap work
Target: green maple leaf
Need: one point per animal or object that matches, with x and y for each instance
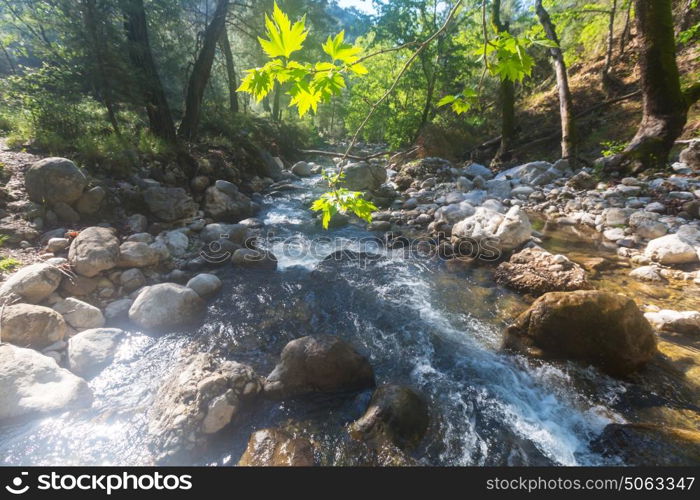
(341, 51)
(304, 98)
(258, 81)
(284, 37)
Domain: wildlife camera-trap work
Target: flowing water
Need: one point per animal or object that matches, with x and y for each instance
(419, 321)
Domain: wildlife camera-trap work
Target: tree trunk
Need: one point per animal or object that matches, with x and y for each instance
(425, 115)
(507, 96)
(565, 100)
(609, 82)
(626, 30)
(201, 72)
(230, 72)
(95, 40)
(159, 117)
(664, 105)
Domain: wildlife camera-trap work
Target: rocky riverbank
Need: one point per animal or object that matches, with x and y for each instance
(107, 257)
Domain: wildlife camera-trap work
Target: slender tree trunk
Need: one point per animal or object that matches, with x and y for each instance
(159, 117)
(624, 36)
(611, 37)
(201, 72)
(664, 105)
(430, 91)
(95, 40)
(565, 100)
(230, 72)
(507, 96)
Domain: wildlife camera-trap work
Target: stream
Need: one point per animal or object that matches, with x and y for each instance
(419, 321)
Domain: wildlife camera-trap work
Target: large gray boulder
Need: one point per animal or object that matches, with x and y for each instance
(138, 254)
(318, 364)
(55, 180)
(166, 305)
(94, 250)
(80, 315)
(363, 176)
(491, 230)
(671, 249)
(202, 396)
(31, 284)
(92, 349)
(226, 203)
(169, 204)
(27, 325)
(32, 383)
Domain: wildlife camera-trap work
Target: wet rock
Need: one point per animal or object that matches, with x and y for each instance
(604, 329)
(363, 176)
(55, 180)
(649, 445)
(488, 228)
(666, 320)
(91, 201)
(396, 414)
(32, 383)
(169, 204)
(166, 305)
(137, 254)
(671, 249)
(277, 448)
(80, 315)
(536, 271)
(302, 169)
(202, 396)
(94, 250)
(31, 284)
(318, 364)
(205, 284)
(254, 259)
(227, 204)
(27, 325)
(92, 349)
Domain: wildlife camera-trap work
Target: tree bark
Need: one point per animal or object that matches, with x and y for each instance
(95, 40)
(665, 107)
(230, 72)
(507, 96)
(565, 100)
(626, 29)
(201, 72)
(159, 117)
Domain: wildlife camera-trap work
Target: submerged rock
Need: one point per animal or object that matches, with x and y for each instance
(202, 397)
(396, 414)
(604, 329)
(277, 448)
(33, 326)
(31, 284)
(649, 445)
(32, 383)
(166, 305)
(318, 364)
(536, 271)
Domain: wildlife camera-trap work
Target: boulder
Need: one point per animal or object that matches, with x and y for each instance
(277, 448)
(671, 249)
(177, 242)
(536, 271)
(65, 213)
(236, 233)
(94, 250)
(137, 254)
(603, 329)
(80, 315)
(118, 310)
(31, 284)
(667, 320)
(169, 204)
(166, 305)
(92, 349)
(27, 325)
(396, 414)
(363, 176)
(649, 445)
(451, 214)
(318, 364)
(54, 180)
(475, 169)
(525, 173)
(302, 169)
(227, 205)
(32, 383)
(205, 284)
(132, 279)
(488, 228)
(691, 155)
(201, 397)
(648, 273)
(582, 181)
(91, 201)
(254, 259)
